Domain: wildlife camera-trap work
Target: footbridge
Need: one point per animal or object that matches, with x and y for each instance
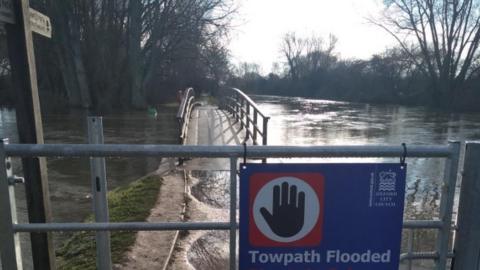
(228, 118)
(213, 135)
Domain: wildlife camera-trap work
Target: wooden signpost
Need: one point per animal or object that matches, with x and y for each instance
(20, 20)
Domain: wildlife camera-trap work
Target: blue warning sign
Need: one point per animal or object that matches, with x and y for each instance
(321, 216)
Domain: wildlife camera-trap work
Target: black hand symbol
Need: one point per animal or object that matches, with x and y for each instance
(286, 218)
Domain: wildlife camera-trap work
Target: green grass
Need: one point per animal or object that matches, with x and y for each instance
(126, 204)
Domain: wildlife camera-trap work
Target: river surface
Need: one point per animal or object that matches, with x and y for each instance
(303, 122)
(294, 121)
(69, 178)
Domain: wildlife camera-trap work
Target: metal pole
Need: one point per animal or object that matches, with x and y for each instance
(247, 119)
(237, 107)
(255, 125)
(222, 151)
(242, 114)
(7, 238)
(265, 130)
(99, 194)
(13, 205)
(233, 213)
(446, 205)
(411, 233)
(467, 238)
(265, 134)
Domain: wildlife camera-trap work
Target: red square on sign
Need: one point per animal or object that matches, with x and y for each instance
(286, 209)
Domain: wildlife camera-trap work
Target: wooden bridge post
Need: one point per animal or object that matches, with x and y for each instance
(467, 238)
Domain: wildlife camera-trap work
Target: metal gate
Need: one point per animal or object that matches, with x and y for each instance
(9, 228)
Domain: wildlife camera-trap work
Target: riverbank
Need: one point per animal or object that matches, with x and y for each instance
(155, 197)
(153, 249)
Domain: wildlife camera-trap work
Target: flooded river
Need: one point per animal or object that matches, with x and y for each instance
(294, 121)
(69, 178)
(299, 121)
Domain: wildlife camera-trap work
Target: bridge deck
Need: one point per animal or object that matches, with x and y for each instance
(211, 126)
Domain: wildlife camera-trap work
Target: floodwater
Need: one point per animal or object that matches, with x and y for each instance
(294, 121)
(69, 178)
(299, 121)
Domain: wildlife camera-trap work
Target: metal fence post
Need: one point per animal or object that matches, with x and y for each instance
(7, 235)
(12, 181)
(467, 238)
(233, 213)
(99, 194)
(446, 204)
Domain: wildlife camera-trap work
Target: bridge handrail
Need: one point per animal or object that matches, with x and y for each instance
(249, 100)
(246, 111)
(184, 110)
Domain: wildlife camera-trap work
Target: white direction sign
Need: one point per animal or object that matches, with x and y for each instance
(6, 11)
(39, 23)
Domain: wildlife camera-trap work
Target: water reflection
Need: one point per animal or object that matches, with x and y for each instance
(298, 121)
(69, 178)
(303, 122)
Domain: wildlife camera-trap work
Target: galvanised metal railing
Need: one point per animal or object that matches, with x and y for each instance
(245, 111)
(451, 152)
(184, 110)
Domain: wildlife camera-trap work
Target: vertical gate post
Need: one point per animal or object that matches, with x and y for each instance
(7, 235)
(12, 181)
(99, 194)
(467, 238)
(233, 213)
(446, 204)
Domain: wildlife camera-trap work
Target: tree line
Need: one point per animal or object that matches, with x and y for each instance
(436, 62)
(117, 54)
(122, 54)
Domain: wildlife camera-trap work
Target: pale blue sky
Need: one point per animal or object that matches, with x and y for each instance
(262, 23)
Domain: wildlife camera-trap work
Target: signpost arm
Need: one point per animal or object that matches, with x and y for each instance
(29, 123)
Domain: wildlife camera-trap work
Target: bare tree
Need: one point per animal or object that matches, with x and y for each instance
(445, 33)
(319, 53)
(292, 48)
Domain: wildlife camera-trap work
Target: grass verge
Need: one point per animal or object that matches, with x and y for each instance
(126, 204)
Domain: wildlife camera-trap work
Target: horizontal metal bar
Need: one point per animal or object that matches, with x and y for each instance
(151, 226)
(257, 151)
(422, 255)
(422, 224)
(120, 226)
